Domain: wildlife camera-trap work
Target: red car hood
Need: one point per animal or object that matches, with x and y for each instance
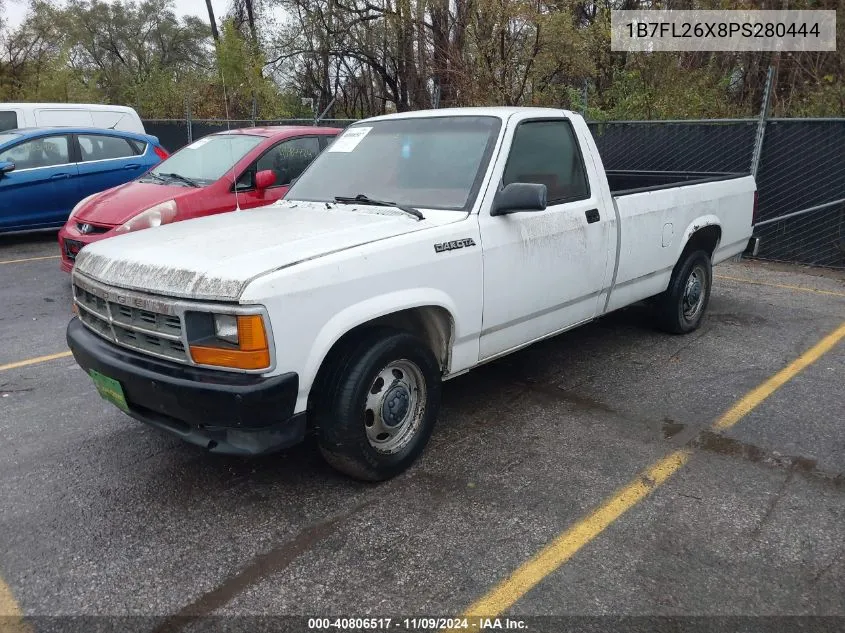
(115, 206)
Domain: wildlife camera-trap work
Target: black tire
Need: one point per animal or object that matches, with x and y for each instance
(675, 312)
(343, 423)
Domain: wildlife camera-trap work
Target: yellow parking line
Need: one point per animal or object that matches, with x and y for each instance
(568, 543)
(785, 286)
(11, 617)
(757, 395)
(29, 259)
(34, 361)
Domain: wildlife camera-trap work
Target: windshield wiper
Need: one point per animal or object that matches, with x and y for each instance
(364, 199)
(152, 175)
(181, 178)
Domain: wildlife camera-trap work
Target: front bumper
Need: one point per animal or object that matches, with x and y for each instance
(71, 241)
(224, 412)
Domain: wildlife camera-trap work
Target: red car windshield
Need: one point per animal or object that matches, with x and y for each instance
(204, 161)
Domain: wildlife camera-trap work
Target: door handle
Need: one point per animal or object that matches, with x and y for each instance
(592, 216)
(59, 176)
(132, 166)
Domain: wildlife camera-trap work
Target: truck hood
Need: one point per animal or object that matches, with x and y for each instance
(215, 257)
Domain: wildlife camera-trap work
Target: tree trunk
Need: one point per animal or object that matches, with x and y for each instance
(213, 22)
(250, 14)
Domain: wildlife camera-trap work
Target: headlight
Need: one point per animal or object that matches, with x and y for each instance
(81, 204)
(228, 340)
(226, 328)
(161, 213)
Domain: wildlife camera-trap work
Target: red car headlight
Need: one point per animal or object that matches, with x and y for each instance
(162, 213)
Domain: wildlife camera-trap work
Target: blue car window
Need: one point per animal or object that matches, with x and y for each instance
(39, 152)
(100, 147)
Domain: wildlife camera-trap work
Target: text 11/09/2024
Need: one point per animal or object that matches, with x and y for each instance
(416, 624)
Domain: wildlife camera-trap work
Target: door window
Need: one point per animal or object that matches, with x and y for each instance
(40, 152)
(547, 153)
(100, 147)
(8, 120)
(289, 158)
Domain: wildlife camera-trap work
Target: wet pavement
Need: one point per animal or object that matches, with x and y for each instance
(100, 515)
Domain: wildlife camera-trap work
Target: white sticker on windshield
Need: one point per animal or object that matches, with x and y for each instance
(349, 139)
(199, 143)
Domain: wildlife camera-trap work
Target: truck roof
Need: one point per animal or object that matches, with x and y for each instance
(502, 112)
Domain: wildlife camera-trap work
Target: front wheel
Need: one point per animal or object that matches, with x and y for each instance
(681, 308)
(376, 406)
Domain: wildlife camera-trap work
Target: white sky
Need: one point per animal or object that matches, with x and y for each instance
(16, 9)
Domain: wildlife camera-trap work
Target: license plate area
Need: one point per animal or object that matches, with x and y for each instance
(110, 390)
(72, 248)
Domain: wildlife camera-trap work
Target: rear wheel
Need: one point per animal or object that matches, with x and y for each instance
(681, 308)
(376, 404)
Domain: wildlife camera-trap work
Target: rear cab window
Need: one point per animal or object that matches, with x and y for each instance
(546, 152)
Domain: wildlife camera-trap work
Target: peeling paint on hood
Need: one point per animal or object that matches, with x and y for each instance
(214, 258)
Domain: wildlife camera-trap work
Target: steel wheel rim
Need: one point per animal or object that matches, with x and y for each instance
(395, 405)
(694, 292)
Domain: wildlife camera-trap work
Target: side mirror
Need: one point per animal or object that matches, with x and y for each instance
(6, 167)
(519, 196)
(265, 178)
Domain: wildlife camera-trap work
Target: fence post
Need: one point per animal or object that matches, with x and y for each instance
(188, 119)
(324, 112)
(584, 99)
(761, 125)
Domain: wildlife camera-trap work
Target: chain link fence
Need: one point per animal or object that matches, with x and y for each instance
(704, 145)
(800, 178)
(801, 184)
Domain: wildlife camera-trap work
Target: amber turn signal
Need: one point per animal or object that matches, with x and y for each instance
(253, 351)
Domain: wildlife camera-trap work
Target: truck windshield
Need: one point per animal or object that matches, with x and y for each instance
(431, 162)
(203, 161)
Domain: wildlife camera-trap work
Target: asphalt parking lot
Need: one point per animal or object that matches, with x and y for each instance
(100, 515)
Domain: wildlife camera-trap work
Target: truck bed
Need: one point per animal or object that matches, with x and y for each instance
(623, 182)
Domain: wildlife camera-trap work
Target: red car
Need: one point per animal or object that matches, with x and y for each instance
(243, 168)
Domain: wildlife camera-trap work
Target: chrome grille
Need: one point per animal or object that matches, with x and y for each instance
(92, 229)
(144, 330)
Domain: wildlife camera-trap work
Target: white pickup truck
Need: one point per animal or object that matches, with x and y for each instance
(416, 247)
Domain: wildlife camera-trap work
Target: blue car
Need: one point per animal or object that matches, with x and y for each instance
(44, 172)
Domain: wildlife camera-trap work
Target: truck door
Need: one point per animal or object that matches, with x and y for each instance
(543, 270)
